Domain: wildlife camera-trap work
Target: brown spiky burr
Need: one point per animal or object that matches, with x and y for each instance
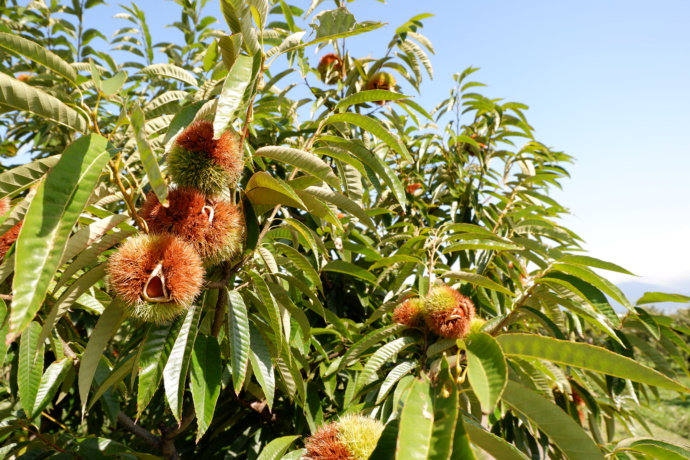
(410, 313)
(9, 238)
(448, 313)
(324, 445)
(215, 227)
(330, 68)
(156, 276)
(199, 160)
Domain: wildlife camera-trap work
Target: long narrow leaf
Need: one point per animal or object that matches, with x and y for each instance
(59, 200)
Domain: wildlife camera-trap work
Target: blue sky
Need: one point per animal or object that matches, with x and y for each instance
(606, 82)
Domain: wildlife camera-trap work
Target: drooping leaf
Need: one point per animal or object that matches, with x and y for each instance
(38, 54)
(562, 430)
(347, 268)
(584, 356)
(59, 200)
(205, 380)
(18, 95)
(50, 384)
(238, 332)
(275, 449)
(30, 366)
(170, 71)
(374, 127)
(21, 177)
(416, 423)
(487, 370)
(148, 158)
(655, 297)
(232, 95)
(107, 325)
(153, 357)
(175, 370)
(262, 365)
(307, 162)
(374, 95)
(478, 280)
(654, 448)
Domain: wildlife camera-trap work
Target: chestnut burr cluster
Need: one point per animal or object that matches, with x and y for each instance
(158, 275)
(444, 311)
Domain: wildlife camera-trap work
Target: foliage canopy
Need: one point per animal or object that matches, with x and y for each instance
(355, 200)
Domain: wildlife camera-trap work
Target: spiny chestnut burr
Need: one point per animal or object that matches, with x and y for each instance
(381, 80)
(156, 276)
(410, 313)
(330, 68)
(353, 437)
(198, 160)
(9, 238)
(214, 227)
(448, 313)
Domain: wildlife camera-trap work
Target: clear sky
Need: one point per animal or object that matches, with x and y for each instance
(606, 82)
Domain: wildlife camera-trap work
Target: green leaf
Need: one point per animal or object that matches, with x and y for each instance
(490, 443)
(584, 356)
(170, 71)
(655, 448)
(20, 96)
(232, 95)
(175, 370)
(107, 325)
(396, 259)
(276, 448)
(368, 341)
(478, 280)
(342, 202)
(30, 366)
(596, 263)
(22, 177)
(238, 333)
(271, 309)
(416, 423)
(38, 54)
(595, 280)
(449, 439)
(374, 95)
(307, 162)
(50, 384)
(183, 119)
(562, 430)
(59, 201)
(379, 358)
(487, 369)
(340, 266)
(374, 127)
(263, 188)
(148, 158)
(655, 297)
(334, 22)
(393, 377)
(121, 370)
(113, 84)
(205, 380)
(153, 356)
(379, 166)
(262, 364)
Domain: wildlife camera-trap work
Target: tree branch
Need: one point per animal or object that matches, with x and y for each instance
(144, 434)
